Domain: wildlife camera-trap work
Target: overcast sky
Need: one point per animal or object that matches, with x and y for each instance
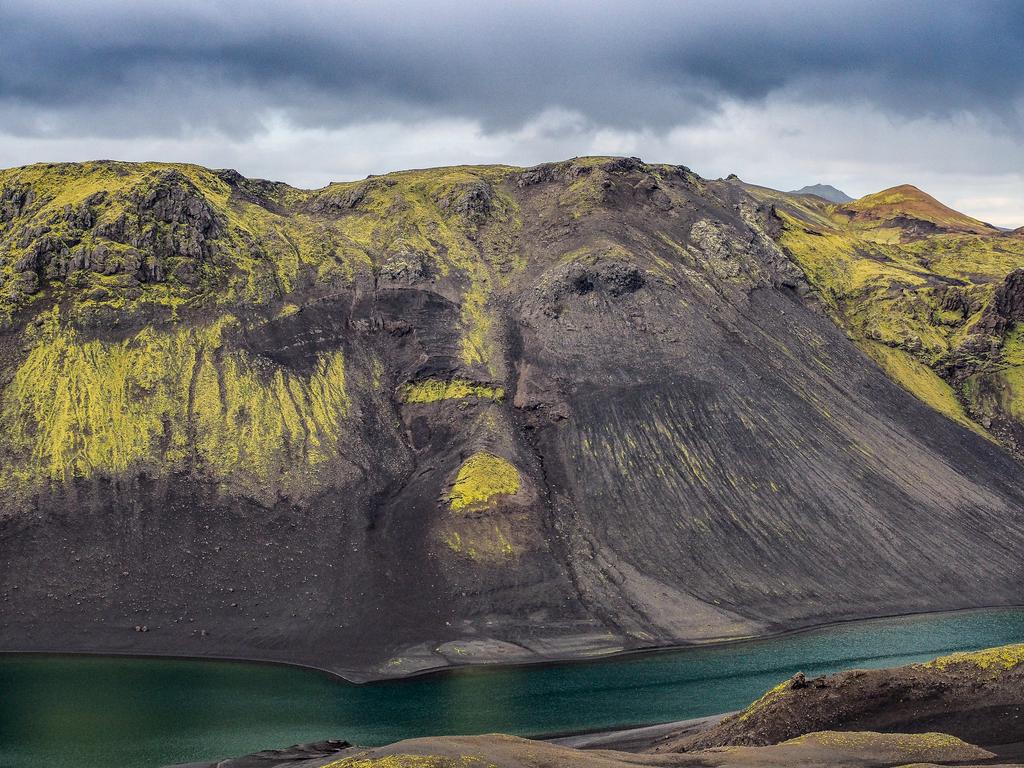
(858, 94)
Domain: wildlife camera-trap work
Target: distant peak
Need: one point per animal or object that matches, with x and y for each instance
(824, 191)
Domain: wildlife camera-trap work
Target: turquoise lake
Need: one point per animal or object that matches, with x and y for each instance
(68, 712)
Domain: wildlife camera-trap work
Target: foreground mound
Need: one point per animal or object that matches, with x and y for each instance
(449, 416)
(978, 697)
(827, 749)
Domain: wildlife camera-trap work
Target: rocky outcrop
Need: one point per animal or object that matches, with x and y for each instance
(1006, 306)
(164, 226)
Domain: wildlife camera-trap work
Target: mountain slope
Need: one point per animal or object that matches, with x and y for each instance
(455, 415)
(933, 296)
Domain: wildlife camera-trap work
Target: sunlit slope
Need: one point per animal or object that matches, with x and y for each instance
(933, 296)
(463, 414)
(139, 279)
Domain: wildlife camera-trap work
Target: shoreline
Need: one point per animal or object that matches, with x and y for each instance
(351, 677)
(633, 738)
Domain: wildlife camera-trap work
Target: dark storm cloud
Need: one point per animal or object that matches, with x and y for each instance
(130, 69)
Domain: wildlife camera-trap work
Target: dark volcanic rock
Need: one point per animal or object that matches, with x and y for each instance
(659, 439)
(1006, 306)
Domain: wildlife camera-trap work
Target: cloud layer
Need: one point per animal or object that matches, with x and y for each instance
(783, 93)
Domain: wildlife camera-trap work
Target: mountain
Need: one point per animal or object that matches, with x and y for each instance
(479, 414)
(825, 192)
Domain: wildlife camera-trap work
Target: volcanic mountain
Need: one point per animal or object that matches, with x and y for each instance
(490, 413)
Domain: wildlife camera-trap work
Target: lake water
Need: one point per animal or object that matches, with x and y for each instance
(63, 712)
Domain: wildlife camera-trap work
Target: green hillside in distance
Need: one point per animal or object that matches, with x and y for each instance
(932, 295)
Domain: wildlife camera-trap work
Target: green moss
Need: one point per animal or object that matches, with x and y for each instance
(482, 478)
(1013, 346)
(994, 660)
(919, 380)
(436, 390)
(769, 698)
(168, 400)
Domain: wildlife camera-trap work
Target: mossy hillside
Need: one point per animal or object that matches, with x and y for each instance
(173, 249)
(170, 401)
(111, 241)
(971, 696)
(455, 224)
(911, 304)
(891, 208)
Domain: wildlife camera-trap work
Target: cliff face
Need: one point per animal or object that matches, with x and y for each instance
(454, 415)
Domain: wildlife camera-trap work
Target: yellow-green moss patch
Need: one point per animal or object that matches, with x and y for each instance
(919, 380)
(164, 400)
(436, 390)
(482, 478)
(768, 698)
(868, 739)
(993, 659)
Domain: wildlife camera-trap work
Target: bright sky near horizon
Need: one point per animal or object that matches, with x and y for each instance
(861, 95)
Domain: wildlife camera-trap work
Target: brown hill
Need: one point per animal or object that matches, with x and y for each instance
(908, 208)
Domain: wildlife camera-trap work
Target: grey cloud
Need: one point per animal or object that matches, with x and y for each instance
(134, 69)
